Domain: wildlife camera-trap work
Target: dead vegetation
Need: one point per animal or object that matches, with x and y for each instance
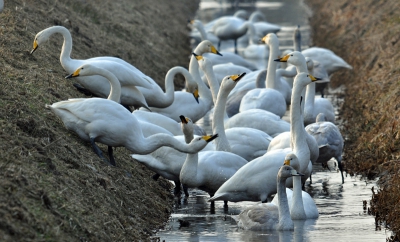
(52, 186)
(366, 35)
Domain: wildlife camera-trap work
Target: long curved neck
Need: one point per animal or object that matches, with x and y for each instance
(309, 103)
(251, 33)
(246, 26)
(260, 79)
(297, 40)
(169, 82)
(200, 28)
(115, 91)
(297, 206)
(67, 44)
(204, 91)
(145, 145)
(298, 133)
(270, 81)
(222, 143)
(285, 221)
(188, 175)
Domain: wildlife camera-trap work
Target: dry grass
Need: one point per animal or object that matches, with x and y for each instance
(365, 34)
(52, 186)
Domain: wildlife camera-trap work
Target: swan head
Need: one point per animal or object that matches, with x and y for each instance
(270, 39)
(292, 160)
(288, 171)
(303, 79)
(229, 82)
(194, 23)
(200, 142)
(320, 118)
(40, 38)
(310, 64)
(294, 58)
(204, 63)
(206, 46)
(186, 125)
(84, 70)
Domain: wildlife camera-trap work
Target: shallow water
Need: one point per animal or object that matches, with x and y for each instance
(342, 217)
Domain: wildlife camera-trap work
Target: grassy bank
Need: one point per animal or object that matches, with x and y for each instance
(52, 186)
(366, 35)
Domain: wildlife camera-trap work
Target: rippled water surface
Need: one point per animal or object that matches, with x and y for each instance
(342, 217)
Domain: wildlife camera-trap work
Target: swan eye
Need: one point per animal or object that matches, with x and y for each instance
(291, 55)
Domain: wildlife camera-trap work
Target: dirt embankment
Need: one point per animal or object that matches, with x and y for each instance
(366, 34)
(52, 186)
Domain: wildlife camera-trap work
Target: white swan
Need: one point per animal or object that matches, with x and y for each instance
(192, 109)
(208, 170)
(262, 27)
(269, 98)
(128, 76)
(106, 121)
(246, 142)
(167, 161)
(227, 57)
(329, 139)
(230, 28)
(255, 180)
(327, 58)
(309, 206)
(313, 106)
(267, 216)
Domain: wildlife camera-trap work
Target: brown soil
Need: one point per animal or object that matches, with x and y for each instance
(366, 34)
(52, 186)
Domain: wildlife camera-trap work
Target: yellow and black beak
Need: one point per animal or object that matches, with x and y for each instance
(75, 74)
(35, 46)
(283, 59)
(198, 57)
(196, 95)
(215, 51)
(286, 163)
(209, 138)
(313, 79)
(237, 78)
(183, 119)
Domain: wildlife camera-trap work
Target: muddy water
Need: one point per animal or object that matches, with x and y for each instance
(342, 216)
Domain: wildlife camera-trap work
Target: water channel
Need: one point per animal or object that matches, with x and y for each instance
(342, 217)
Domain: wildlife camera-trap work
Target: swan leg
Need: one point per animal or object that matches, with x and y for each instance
(156, 176)
(339, 161)
(185, 190)
(98, 152)
(177, 189)
(225, 204)
(111, 155)
(235, 43)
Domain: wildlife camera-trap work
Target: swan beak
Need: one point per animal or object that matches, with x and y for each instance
(198, 57)
(209, 138)
(215, 51)
(264, 39)
(295, 173)
(183, 119)
(75, 74)
(35, 46)
(283, 59)
(196, 95)
(313, 79)
(286, 163)
(237, 78)
(191, 21)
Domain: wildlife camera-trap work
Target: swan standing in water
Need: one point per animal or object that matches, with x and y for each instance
(228, 27)
(329, 139)
(167, 161)
(267, 216)
(246, 142)
(208, 170)
(309, 206)
(108, 122)
(254, 181)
